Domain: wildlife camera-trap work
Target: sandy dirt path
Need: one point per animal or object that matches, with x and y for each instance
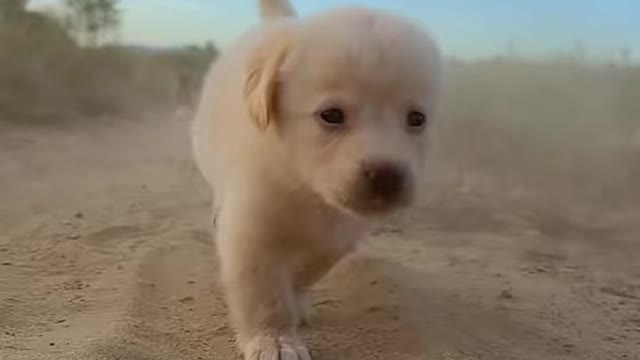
(105, 253)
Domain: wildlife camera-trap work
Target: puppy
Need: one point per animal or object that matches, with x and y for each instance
(308, 129)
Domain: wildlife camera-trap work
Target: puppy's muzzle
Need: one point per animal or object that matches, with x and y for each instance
(384, 181)
(382, 186)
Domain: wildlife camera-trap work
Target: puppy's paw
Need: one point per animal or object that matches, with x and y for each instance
(304, 308)
(266, 347)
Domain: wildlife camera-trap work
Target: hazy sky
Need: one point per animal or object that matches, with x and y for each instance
(468, 28)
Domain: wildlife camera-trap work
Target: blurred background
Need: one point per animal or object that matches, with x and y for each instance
(542, 101)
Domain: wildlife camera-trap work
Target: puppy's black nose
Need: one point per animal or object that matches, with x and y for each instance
(385, 181)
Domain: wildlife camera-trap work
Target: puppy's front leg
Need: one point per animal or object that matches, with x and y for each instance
(259, 292)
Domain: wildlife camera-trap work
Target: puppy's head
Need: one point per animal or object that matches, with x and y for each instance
(349, 97)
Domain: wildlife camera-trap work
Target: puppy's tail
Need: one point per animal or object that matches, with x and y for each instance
(273, 9)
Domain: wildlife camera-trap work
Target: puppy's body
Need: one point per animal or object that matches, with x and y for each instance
(293, 190)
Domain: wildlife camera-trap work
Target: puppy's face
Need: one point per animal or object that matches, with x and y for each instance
(351, 104)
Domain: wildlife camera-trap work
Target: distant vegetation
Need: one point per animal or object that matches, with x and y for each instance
(54, 67)
(548, 134)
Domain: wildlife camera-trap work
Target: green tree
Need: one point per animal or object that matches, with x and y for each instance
(12, 10)
(92, 20)
(210, 50)
(625, 55)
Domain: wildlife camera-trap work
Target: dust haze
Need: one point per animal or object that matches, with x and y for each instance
(524, 247)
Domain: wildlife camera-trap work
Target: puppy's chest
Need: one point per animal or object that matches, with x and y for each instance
(324, 237)
(318, 249)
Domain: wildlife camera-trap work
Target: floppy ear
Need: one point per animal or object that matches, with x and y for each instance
(261, 79)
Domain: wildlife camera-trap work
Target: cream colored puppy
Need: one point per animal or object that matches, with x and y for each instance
(307, 129)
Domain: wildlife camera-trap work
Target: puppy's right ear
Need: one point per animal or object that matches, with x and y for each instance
(261, 80)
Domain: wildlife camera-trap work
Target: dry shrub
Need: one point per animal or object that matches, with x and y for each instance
(551, 135)
(45, 75)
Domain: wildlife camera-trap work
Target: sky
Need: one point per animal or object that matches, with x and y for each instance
(463, 28)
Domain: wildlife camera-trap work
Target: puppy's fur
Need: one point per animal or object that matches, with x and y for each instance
(293, 192)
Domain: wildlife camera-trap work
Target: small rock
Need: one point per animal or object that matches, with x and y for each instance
(7, 263)
(120, 267)
(191, 282)
(373, 282)
(619, 292)
(52, 344)
(67, 223)
(506, 294)
(60, 321)
(79, 215)
(323, 302)
(222, 327)
(374, 308)
(187, 299)
(73, 236)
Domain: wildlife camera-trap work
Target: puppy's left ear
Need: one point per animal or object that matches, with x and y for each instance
(261, 80)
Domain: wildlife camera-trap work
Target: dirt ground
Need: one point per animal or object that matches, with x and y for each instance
(106, 253)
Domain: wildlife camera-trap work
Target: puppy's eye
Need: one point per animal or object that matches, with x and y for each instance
(416, 120)
(332, 117)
